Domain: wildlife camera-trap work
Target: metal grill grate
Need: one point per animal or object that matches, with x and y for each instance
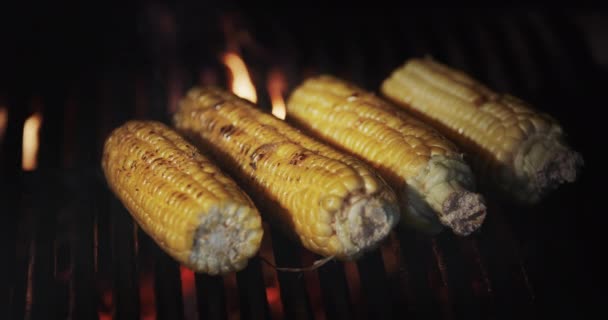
(74, 252)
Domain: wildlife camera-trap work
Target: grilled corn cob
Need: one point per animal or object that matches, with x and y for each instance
(515, 148)
(432, 181)
(193, 211)
(333, 204)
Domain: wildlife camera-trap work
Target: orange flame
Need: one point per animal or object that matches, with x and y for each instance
(240, 81)
(31, 141)
(276, 86)
(3, 122)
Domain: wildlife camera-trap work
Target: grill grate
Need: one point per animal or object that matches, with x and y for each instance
(74, 252)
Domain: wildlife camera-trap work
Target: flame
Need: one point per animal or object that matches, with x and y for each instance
(240, 81)
(3, 122)
(276, 86)
(30, 141)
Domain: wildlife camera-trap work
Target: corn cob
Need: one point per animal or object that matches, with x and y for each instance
(333, 204)
(431, 179)
(515, 149)
(192, 210)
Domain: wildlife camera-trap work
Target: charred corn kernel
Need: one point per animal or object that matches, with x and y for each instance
(193, 211)
(431, 179)
(515, 149)
(334, 204)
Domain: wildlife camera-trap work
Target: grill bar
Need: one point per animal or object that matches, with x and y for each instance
(211, 299)
(396, 276)
(84, 291)
(334, 291)
(252, 296)
(313, 287)
(374, 286)
(295, 301)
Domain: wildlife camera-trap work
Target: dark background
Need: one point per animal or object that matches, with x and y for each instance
(557, 59)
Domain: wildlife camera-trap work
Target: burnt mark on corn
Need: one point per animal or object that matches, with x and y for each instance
(358, 123)
(159, 162)
(297, 158)
(227, 130)
(178, 196)
(147, 155)
(479, 101)
(451, 203)
(244, 148)
(260, 152)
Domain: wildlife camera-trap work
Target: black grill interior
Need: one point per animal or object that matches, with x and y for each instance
(72, 250)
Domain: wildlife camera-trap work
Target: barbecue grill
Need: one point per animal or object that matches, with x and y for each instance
(73, 251)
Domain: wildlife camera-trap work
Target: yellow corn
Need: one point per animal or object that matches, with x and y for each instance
(192, 210)
(426, 170)
(334, 204)
(514, 147)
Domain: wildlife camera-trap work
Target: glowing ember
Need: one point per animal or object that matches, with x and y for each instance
(276, 86)
(188, 292)
(273, 295)
(30, 141)
(271, 278)
(105, 316)
(240, 81)
(3, 121)
(106, 306)
(187, 279)
(147, 299)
